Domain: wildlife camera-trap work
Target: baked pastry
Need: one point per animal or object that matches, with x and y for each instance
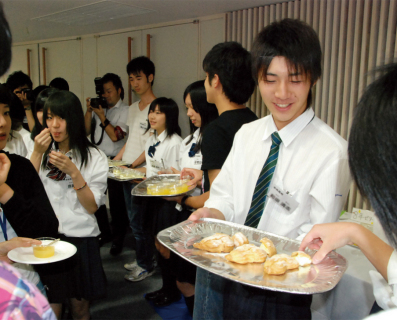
(268, 246)
(275, 267)
(247, 253)
(218, 242)
(239, 239)
(302, 257)
(279, 264)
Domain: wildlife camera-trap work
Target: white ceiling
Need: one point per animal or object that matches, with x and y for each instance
(29, 19)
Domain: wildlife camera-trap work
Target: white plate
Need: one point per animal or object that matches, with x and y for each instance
(63, 250)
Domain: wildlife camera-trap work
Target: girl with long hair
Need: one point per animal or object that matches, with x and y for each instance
(74, 174)
(201, 113)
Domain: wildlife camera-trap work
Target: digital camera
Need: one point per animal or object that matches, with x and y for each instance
(99, 100)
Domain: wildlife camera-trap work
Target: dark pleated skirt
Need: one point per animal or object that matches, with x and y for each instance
(81, 276)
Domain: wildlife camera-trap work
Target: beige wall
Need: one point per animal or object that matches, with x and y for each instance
(177, 50)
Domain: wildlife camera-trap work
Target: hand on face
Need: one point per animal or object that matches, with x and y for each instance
(5, 165)
(62, 162)
(42, 141)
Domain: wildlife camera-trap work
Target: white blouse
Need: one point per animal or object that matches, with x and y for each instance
(195, 162)
(74, 219)
(167, 151)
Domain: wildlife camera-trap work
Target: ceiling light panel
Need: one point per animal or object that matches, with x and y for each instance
(103, 11)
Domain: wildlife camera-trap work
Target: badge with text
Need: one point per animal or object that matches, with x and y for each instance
(156, 165)
(283, 199)
(143, 125)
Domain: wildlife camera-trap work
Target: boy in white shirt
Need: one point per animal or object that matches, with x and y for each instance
(307, 169)
(141, 72)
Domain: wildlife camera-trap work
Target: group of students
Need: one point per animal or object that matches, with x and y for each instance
(242, 168)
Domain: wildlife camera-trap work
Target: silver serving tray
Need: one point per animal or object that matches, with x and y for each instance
(313, 279)
(141, 189)
(111, 176)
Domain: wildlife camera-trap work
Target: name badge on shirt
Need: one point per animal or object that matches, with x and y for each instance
(198, 159)
(283, 199)
(143, 125)
(156, 165)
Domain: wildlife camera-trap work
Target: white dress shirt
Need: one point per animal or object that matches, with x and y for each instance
(195, 162)
(74, 219)
(167, 150)
(137, 124)
(117, 116)
(312, 167)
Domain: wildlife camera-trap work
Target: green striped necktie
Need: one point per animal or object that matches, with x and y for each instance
(263, 183)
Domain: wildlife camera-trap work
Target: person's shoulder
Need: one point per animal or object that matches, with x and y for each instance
(20, 165)
(326, 133)
(176, 139)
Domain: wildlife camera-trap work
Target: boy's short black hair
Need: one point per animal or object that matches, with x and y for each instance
(294, 40)
(18, 79)
(59, 83)
(232, 63)
(115, 79)
(5, 43)
(142, 63)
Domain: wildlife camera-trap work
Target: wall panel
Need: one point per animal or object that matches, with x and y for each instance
(356, 36)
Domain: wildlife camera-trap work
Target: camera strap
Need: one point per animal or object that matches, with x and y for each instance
(93, 129)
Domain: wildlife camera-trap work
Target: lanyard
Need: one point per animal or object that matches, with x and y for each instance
(3, 224)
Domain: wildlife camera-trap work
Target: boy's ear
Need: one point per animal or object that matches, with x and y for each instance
(215, 81)
(150, 78)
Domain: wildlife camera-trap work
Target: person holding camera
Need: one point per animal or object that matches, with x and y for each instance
(20, 83)
(105, 122)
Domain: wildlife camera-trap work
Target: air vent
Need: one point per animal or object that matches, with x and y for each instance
(102, 11)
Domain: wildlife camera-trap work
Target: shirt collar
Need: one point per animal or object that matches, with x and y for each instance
(162, 136)
(290, 131)
(118, 104)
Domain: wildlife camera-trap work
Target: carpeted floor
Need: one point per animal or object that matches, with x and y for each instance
(125, 299)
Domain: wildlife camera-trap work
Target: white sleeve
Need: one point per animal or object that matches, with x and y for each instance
(122, 119)
(97, 181)
(328, 194)
(221, 194)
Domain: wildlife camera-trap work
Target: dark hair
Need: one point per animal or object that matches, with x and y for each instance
(115, 79)
(66, 105)
(171, 111)
(142, 63)
(17, 112)
(6, 95)
(38, 106)
(5, 43)
(18, 79)
(59, 83)
(294, 40)
(373, 146)
(208, 111)
(232, 63)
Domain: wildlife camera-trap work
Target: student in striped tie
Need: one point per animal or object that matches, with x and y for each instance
(301, 165)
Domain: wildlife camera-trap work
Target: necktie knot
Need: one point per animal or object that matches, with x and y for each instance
(276, 140)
